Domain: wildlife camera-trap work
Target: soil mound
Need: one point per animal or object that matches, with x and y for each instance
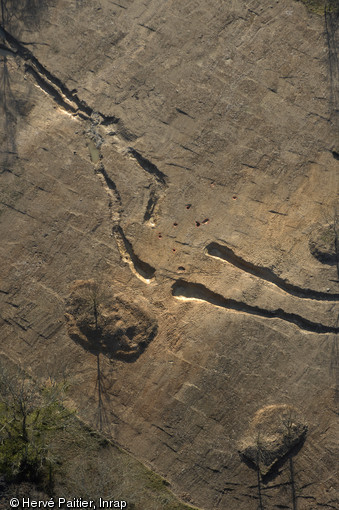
(103, 323)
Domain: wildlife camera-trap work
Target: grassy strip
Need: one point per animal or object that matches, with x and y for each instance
(318, 6)
(46, 451)
(91, 467)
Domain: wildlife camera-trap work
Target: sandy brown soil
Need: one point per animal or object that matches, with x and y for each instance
(185, 156)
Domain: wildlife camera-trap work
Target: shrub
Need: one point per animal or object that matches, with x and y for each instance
(27, 415)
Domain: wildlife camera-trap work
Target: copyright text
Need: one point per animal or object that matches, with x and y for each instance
(67, 503)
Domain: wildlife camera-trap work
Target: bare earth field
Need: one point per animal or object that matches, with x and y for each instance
(169, 234)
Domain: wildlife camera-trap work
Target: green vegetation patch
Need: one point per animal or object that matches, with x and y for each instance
(46, 451)
(28, 417)
(91, 467)
(319, 6)
(94, 152)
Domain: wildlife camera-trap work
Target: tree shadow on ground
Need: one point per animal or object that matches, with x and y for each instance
(15, 15)
(105, 324)
(27, 13)
(8, 114)
(275, 471)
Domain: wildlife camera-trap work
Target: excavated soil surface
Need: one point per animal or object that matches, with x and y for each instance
(186, 154)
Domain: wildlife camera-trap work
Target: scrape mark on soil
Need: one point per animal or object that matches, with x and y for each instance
(148, 166)
(158, 187)
(188, 291)
(70, 103)
(224, 253)
(152, 202)
(54, 87)
(110, 185)
(52, 91)
(141, 269)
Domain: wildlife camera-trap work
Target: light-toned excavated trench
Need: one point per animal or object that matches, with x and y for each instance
(182, 289)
